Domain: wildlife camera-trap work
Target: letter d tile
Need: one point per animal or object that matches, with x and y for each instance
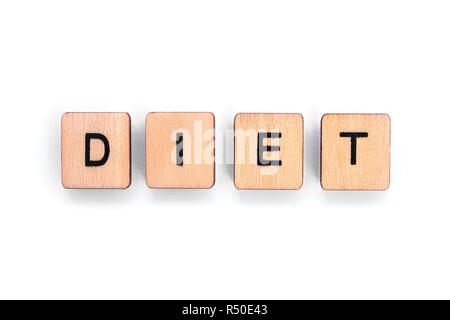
(95, 150)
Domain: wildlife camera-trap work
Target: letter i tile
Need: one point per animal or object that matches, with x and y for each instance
(268, 151)
(180, 150)
(355, 151)
(95, 150)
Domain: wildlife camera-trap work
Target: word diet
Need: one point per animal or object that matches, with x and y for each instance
(268, 150)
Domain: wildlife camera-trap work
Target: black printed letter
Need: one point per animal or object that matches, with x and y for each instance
(353, 136)
(179, 149)
(262, 148)
(87, 159)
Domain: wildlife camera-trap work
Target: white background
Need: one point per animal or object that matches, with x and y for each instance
(226, 57)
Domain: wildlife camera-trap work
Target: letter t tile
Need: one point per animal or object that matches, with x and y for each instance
(355, 151)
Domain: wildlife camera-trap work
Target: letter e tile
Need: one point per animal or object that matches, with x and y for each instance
(268, 151)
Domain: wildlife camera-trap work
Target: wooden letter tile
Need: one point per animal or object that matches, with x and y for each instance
(180, 150)
(355, 151)
(268, 151)
(95, 150)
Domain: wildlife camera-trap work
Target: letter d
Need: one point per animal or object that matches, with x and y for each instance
(87, 159)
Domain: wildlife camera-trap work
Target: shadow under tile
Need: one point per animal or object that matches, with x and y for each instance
(169, 196)
(359, 198)
(100, 196)
(269, 197)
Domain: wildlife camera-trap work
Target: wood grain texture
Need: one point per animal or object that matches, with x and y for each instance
(116, 172)
(198, 169)
(372, 168)
(247, 173)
